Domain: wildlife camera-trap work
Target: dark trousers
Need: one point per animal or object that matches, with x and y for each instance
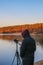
(28, 61)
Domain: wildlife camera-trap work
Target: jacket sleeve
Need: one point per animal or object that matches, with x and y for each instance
(23, 49)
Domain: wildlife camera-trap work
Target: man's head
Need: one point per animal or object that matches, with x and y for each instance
(25, 33)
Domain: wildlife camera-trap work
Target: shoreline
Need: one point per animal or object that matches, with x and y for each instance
(39, 62)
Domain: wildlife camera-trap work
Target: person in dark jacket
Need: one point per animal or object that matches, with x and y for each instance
(27, 48)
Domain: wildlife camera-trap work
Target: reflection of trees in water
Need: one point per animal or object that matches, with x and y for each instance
(11, 37)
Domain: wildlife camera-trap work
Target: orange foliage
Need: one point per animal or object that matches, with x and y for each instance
(33, 28)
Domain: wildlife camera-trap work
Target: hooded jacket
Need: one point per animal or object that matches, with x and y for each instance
(28, 47)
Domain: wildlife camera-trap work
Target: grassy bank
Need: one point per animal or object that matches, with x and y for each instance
(39, 63)
(38, 38)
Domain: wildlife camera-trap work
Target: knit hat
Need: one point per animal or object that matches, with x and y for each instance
(25, 33)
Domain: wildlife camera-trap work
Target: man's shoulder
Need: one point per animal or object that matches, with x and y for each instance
(30, 39)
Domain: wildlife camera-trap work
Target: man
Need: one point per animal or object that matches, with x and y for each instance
(27, 49)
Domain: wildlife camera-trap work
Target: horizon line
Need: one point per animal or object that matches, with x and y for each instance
(21, 24)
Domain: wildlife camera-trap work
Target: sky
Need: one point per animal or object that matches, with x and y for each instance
(18, 12)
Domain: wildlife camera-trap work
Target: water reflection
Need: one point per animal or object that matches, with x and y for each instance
(39, 53)
(7, 51)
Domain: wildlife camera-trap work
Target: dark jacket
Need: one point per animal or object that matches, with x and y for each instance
(27, 50)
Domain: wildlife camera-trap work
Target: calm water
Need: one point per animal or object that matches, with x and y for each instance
(7, 52)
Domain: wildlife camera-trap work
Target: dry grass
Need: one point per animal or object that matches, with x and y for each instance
(39, 63)
(38, 38)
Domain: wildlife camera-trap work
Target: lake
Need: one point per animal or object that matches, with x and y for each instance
(7, 52)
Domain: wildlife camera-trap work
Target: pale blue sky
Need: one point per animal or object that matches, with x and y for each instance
(15, 12)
